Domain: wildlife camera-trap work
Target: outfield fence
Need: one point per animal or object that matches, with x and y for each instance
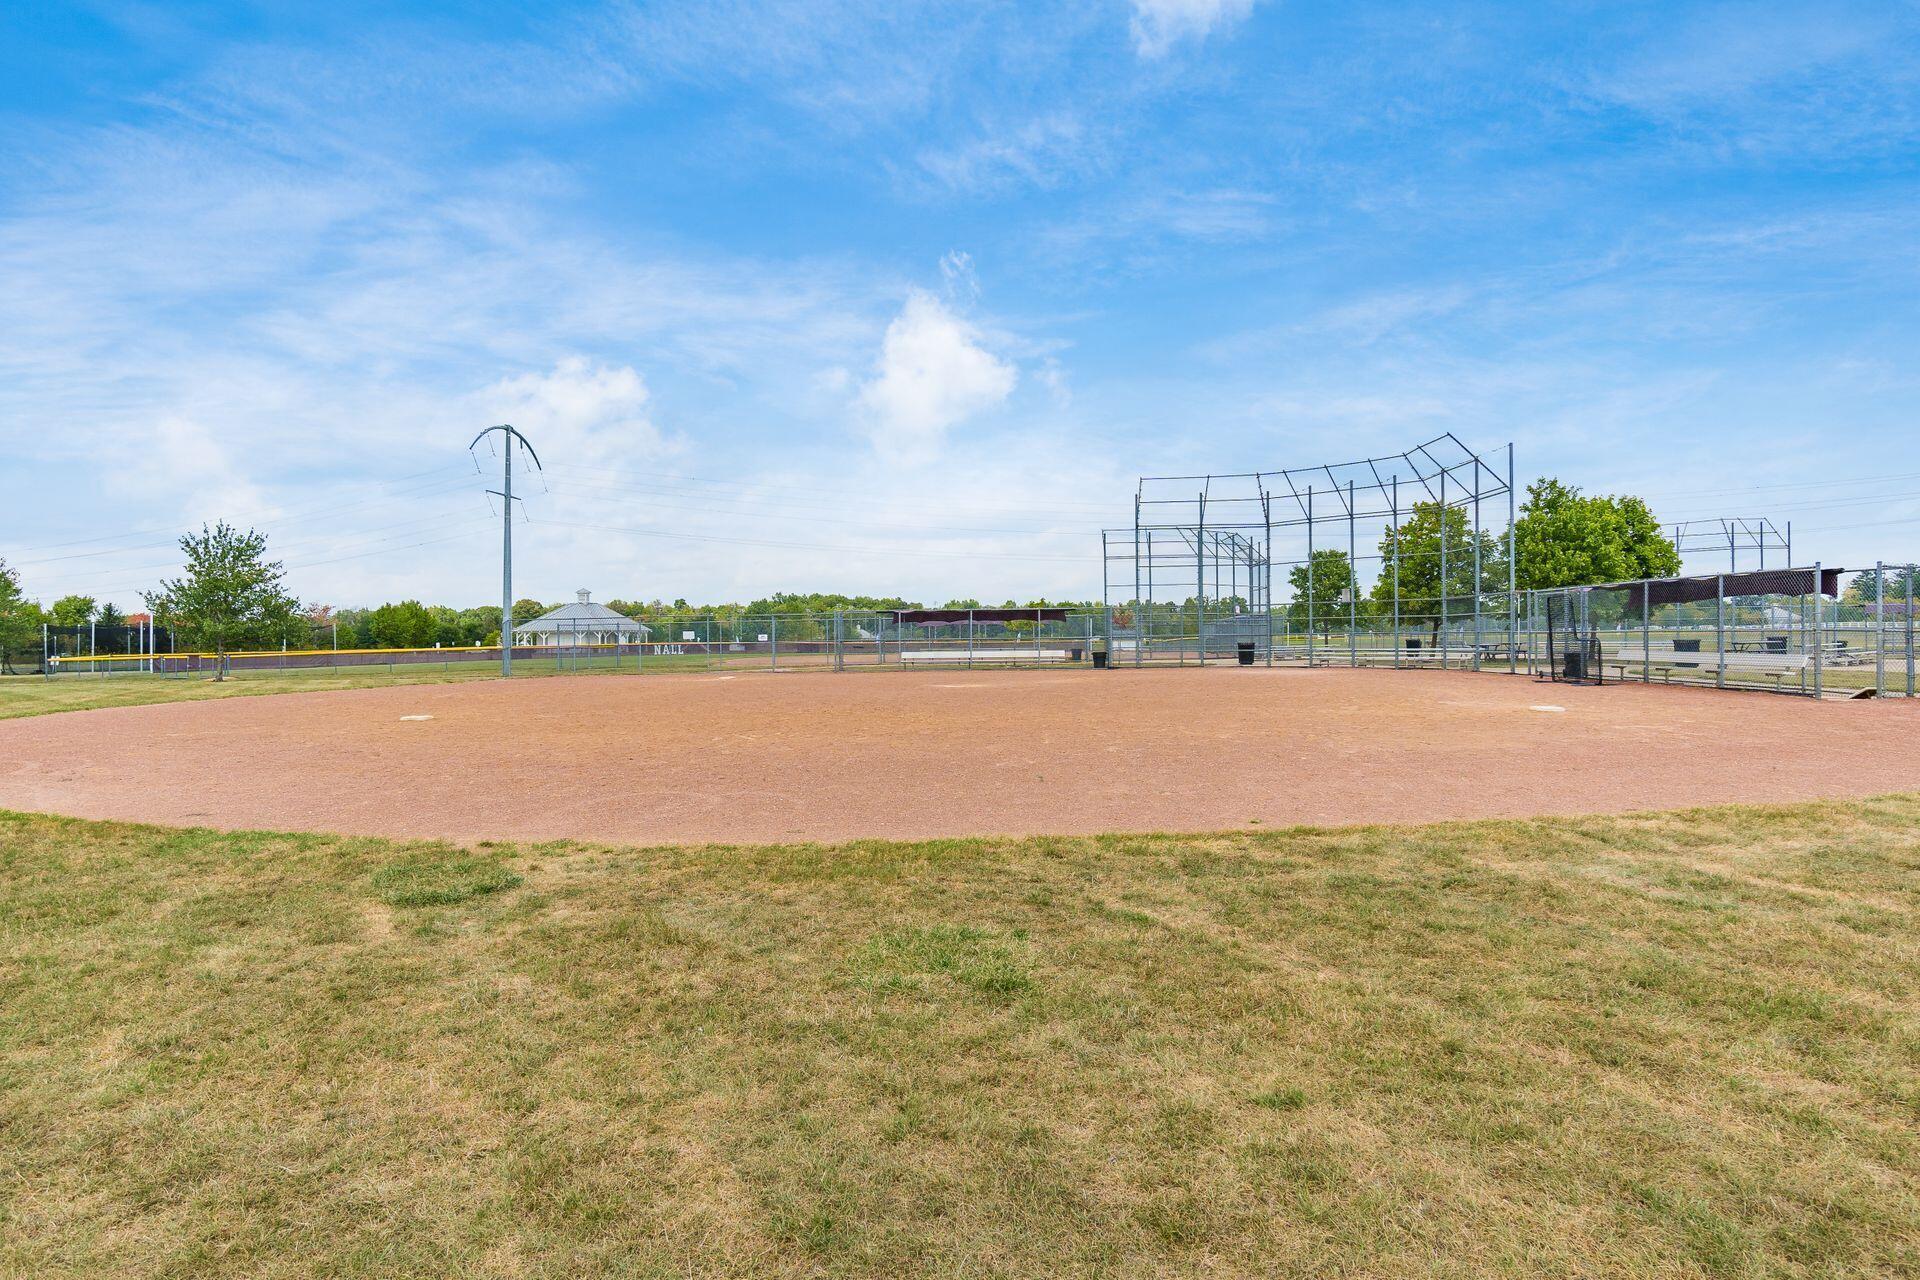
(1853, 636)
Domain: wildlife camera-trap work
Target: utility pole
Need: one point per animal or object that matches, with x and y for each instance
(506, 535)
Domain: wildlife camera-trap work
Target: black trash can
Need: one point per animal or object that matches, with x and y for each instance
(1246, 653)
(1573, 664)
(1099, 659)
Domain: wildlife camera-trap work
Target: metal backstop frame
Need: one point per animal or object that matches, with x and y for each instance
(1193, 579)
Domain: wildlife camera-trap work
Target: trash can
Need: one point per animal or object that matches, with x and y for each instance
(1099, 659)
(1246, 653)
(1573, 664)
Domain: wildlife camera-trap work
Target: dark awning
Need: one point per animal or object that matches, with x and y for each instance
(917, 617)
(1758, 582)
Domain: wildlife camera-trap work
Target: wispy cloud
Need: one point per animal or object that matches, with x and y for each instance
(1036, 152)
(1159, 25)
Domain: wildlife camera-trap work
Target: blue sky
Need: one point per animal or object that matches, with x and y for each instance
(896, 297)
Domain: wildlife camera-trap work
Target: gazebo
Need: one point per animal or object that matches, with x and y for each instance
(582, 622)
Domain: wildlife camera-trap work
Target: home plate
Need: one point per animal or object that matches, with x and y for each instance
(416, 717)
(1544, 707)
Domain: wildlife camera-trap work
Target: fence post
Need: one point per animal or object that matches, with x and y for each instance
(1818, 673)
(1200, 581)
(1442, 632)
(1479, 578)
(1646, 633)
(1353, 586)
(1310, 587)
(1513, 605)
(1879, 626)
(1910, 572)
(1720, 631)
(1397, 646)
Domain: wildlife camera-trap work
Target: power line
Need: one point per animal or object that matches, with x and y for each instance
(568, 489)
(321, 506)
(804, 546)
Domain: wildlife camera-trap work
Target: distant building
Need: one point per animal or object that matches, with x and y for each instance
(582, 622)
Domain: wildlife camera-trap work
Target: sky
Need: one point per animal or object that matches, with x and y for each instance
(900, 298)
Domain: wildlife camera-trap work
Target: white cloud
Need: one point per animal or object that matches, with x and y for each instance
(933, 372)
(581, 411)
(184, 464)
(1158, 25)
(1038, 152)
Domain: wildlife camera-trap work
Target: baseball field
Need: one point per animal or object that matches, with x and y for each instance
(1211, 972)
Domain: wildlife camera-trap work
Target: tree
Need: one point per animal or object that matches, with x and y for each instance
(1415, 550)
(1864, 589)
(109, 616)
(480, 625)
(20, 619)
(1325, 588)
(72, 611)
(525, 611)
(446, 625)
(229, 596)
(1564, 538)
(406, 625)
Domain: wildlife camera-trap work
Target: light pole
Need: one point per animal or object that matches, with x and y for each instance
(506, 535)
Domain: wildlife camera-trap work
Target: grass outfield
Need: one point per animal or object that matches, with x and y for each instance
(37, 695)
(1674, 1044)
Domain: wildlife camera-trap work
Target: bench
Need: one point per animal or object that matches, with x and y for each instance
(909, 657)
(1776, 665)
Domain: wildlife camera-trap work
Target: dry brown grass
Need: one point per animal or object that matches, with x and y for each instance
(1677, 1044)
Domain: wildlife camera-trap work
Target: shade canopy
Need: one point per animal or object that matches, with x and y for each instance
(1712, 586)
(917, 617)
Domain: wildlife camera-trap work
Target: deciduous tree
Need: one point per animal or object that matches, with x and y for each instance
(1416, 547)
(72, 611)
(20, 619)
(1565, 538)
(405, 625)
(1325, 588)
(229, 596)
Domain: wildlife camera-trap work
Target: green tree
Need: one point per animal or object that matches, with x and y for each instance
(1564, 538)
(353, 628)
(72, 611)
(1325, 588)
(229, 596)
(446, 625)
(1415, 550)
(1864, 589)
(20, 619)
(525, 611)
(109, 616)
(406, 625)
(480, 625)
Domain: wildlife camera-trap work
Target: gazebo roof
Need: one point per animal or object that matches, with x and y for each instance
(582, 615)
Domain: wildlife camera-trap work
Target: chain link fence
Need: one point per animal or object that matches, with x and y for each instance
(1774, 631)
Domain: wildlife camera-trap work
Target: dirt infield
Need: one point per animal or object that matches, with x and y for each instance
(787, 757)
